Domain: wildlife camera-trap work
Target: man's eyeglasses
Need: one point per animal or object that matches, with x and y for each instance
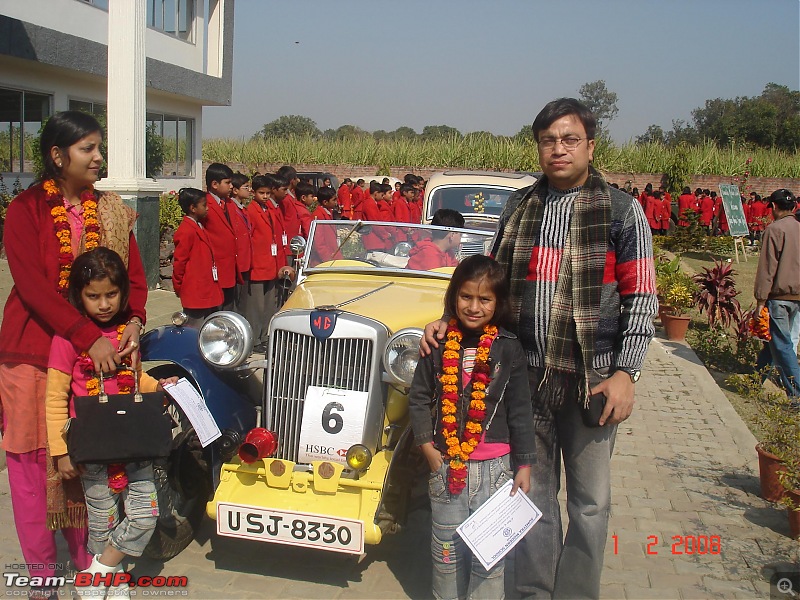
(569, 143)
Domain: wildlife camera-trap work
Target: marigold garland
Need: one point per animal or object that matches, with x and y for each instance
(459, 450)
(759, 325)
(91, 228)
(117, 476)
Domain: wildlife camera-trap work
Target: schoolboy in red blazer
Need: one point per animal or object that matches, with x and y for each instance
(325, 240)
(195, 274)
(220, 230)
(357, 200)
(305, 198)
(240, 197)
(260, 300)
(291, 218)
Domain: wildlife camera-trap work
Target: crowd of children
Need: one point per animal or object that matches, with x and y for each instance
(232, 247)
(657, 207)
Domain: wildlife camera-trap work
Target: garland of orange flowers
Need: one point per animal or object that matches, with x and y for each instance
(759, 325)
(459, 450)
(91, 227)
(117, 476)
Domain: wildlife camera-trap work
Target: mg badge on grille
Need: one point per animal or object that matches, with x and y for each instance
(323, 323)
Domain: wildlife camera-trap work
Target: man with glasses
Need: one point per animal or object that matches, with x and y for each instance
(579, 259)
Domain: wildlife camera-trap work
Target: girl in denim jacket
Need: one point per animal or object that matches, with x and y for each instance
(470, 412)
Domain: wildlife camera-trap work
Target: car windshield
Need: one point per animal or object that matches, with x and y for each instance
(348, 245)
(469, 200)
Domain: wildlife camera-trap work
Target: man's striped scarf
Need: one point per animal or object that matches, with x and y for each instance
(575, 312)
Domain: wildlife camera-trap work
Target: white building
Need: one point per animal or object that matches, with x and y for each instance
(54, 57)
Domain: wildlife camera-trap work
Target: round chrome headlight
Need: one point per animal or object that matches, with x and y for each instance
(225, 340)
(402, 354)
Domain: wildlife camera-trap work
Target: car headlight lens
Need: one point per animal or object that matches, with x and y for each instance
(358, 457)
(225, 339)
(402, 354)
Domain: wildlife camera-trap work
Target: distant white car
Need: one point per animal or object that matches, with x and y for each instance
(478, 195)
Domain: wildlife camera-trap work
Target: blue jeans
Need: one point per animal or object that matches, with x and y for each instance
(456, 573)
(131, 534)
(547, 564)
(782, 314)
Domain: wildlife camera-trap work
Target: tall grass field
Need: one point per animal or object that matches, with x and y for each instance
(499, 153)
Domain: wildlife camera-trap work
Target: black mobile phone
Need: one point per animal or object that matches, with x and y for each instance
(591, 415)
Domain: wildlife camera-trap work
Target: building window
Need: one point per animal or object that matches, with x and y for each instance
(101, 4)
(21, 116)
(173, 17)
(178, 136)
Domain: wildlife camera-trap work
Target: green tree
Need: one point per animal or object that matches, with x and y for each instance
(653, 135)
(438, 132)
(600, 100)
(525, 134)
(288, 125)
(404, 133)
(349, 132)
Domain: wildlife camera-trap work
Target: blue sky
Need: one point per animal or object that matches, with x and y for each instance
(492, 64)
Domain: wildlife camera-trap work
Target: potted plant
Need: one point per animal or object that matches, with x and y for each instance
(679, 297)
(790, 481)
(779, 446)
(716, 294)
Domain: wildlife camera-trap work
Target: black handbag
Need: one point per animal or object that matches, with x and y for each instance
(119, 428)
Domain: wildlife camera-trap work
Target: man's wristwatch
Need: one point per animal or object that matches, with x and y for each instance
(634, 374)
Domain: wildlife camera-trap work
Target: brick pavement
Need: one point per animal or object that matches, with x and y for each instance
(684, 465)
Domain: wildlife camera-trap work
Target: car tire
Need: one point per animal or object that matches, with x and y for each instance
(183, 484)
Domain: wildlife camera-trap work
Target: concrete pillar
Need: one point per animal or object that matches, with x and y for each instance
(127, 108)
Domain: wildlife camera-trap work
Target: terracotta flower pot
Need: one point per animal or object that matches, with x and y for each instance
(769, 466)
(794, 515)
(675, 326)
(664, 309)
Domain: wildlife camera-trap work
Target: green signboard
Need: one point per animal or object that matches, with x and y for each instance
(732, 205)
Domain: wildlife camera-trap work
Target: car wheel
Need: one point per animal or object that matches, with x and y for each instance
(183, 483)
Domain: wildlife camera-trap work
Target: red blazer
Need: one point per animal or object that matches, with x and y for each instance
(415, 208)
(35, 310)
(223, 239)
(377, 238)
(291, 218)
(357, 199)
(267, 234)
(304, 216)
(192, 264)
(325, 240)
(758, 215)
(706, 210)
(685, 202)
(666, 211)
(244, 237)
(426, 255)
(652, 211)
(345, 202)
(400, 209)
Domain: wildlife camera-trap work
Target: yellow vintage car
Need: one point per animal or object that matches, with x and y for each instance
(331, 463)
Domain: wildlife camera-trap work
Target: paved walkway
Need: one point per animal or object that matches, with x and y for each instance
(684, 465)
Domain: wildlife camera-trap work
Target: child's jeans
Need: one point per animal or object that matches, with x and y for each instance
(130, 535)
(456, 573)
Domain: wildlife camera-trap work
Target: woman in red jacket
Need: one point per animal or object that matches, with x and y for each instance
(46, 227)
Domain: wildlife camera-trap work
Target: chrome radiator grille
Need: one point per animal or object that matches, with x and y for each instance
(298, 361)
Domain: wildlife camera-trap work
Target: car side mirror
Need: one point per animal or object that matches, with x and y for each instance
(298, 245)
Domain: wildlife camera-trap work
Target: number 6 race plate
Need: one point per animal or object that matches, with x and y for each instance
(292, 528)
(333, 420)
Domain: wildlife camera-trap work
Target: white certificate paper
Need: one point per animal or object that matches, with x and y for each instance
(195, 409)
(498, 524)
